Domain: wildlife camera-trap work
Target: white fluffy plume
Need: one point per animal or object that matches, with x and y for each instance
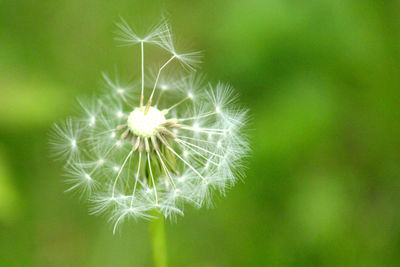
(169, 140)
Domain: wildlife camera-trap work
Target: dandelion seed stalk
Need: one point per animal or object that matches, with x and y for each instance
(158, 241)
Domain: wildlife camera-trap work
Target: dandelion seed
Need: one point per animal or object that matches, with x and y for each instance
(176, 142)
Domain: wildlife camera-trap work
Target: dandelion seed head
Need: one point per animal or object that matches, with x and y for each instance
(148, 145)
(145, 124)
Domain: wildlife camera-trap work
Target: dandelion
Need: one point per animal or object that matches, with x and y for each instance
(146, 149)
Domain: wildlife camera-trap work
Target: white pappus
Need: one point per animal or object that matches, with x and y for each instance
(169, 140)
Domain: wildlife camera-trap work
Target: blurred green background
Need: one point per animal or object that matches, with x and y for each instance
(322, 80)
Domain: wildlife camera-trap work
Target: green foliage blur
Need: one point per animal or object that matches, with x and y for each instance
(321, 79)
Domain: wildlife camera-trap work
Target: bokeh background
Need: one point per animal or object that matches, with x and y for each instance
(321, 79)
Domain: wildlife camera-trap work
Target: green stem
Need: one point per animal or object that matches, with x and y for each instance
(158, 242)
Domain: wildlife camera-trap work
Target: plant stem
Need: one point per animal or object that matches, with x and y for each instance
(158, 242)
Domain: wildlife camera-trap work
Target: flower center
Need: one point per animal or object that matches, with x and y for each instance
(145, 125)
